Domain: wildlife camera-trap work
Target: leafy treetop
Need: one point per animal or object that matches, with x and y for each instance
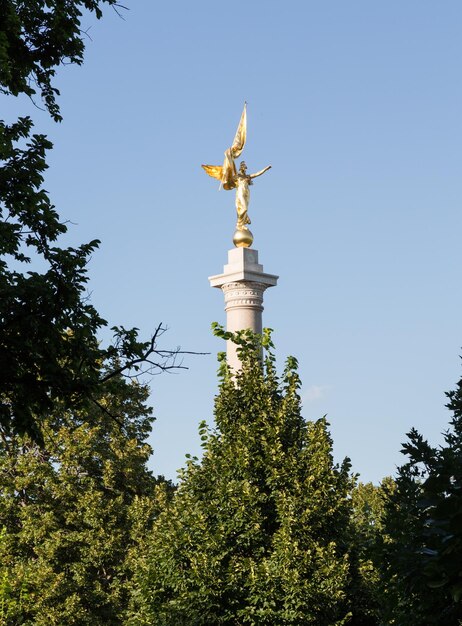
(257, 530)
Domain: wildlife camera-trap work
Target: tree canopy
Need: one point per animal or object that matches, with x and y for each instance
(74, 512)
(36, 38)
(421, 557)
(49, 349)
(258, 531)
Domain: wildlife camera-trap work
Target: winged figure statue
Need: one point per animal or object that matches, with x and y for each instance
(230, 178)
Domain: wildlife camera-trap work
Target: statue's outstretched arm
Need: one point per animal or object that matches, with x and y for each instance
(265, 169)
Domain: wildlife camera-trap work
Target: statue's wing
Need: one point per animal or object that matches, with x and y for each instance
(215, 171)
(241, 135)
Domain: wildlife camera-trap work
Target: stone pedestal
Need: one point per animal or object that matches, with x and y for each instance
(243, 283)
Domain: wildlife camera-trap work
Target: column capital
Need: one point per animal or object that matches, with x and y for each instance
(243, 294)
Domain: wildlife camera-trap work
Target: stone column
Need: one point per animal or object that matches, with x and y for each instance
(243, 283)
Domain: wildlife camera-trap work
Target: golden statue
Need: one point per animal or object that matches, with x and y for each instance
(231, 179)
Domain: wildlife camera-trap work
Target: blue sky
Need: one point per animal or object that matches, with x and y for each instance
(357, 106)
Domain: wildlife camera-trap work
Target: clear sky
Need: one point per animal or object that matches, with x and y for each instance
(357, 105)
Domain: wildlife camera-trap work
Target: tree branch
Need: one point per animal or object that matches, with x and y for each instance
(167, 359)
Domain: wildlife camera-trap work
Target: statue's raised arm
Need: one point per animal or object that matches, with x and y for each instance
(265, 169)
(230, 178)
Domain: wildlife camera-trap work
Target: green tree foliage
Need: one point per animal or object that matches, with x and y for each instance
(368, 503)
(13, 585)
(422, 551)
(257, 532)
(49, 353)
(74, 513)
(37, 37)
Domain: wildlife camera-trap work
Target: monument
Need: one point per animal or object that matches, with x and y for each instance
(243, 280)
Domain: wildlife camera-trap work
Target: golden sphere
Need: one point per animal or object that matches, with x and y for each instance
(242, 238)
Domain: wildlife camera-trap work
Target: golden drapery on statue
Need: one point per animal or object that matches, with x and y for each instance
(230, 178)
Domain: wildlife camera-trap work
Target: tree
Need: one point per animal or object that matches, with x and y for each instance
(368, 503)
(257, 532)
(49, 350)
(422, 551)
(74, 514)
(36, 38)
